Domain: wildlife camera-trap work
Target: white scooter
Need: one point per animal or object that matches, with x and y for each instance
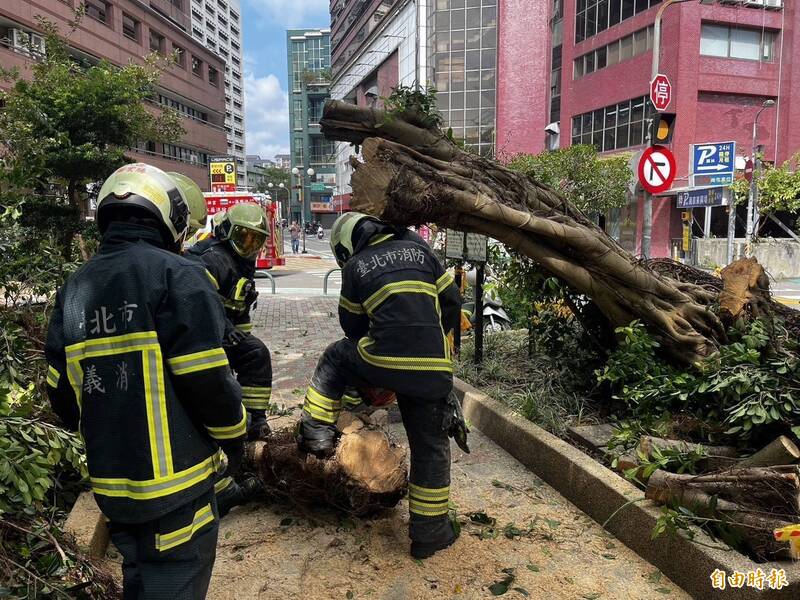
(495, 317)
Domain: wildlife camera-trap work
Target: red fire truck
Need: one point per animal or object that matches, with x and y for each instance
(272, 253)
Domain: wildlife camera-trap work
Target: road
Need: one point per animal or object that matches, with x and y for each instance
(304, 274)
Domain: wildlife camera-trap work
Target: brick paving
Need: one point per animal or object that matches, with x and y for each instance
(296, 330)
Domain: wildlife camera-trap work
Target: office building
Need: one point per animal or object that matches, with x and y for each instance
(217, 24)
(121, 31)
(309, 58)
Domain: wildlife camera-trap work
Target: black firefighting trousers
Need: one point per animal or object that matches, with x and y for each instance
(251, 361)
(422, 398)
(170, 558)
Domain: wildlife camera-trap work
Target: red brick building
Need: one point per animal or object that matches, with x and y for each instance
(582, 68)
(123, 30)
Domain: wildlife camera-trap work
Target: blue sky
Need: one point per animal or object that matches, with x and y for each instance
(264, 25)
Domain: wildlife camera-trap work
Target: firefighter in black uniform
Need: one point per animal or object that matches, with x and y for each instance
(396, 305)
(136, 363)
(231, 259)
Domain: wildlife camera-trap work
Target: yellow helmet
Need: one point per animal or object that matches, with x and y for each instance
(244, 226)
(144, 187)
(198, 212)
(342, 235)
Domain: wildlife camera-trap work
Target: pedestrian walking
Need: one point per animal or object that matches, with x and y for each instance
(294, 231)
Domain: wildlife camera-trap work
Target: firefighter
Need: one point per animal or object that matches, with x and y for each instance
(396, 304)
(136, 364)
(198, 212)
(231, 259)
(229, 492)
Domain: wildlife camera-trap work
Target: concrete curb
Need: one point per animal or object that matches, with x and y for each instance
(88, 526)
(600, 493)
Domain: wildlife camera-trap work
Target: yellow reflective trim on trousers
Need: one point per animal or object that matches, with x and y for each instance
(252, 391)
(321, 414)
(230, 431)
(351, 400)
(424, 493)
(222, 484)
(398, 287)
(198, 361)
(213, 279)
(202, 517)
(256, 403)
(403, 363)
(380, 238)
(352, 307)
(53, 376)
(444, 281)
(428, 513)
(157, 487)
(245, 327)
(321, 400)
(414, 503)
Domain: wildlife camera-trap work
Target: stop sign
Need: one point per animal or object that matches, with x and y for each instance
(660, 92)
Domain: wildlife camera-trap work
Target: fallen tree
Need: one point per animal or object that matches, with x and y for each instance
(367, 472)
(412, 173)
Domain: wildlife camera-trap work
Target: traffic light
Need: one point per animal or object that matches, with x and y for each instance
(662, 126)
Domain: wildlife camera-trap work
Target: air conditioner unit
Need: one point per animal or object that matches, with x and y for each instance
(21, 41)
(38, 44)
(774, 4)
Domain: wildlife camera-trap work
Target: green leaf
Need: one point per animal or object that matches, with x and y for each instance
(499, 588)
(532, 567)
(663, 590)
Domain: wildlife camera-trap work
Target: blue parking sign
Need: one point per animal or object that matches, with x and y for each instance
(713, 163)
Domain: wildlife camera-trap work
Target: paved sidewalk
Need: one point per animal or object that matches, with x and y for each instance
(552, 549)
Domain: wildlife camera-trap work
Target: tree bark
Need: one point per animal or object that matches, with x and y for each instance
(781, 451)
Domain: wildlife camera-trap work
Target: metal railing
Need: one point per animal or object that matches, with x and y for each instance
(325, 280)
(259, 274)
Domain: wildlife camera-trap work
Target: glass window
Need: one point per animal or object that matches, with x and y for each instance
(473, 39)
(489, 17)
(487, 80)
(745, 43)
(612, 53)
(473, 59)
(768, 48)
(600, 58)
(472, 118)
(457, 41)
(625, 48)
(487, 99)
(473, 80)
(130, 27)
(614, 12)
(180, 56)
(99, 10)
(641, 6)
(577, 71)
(627, 9)
(714, 40)
(213, 76)
(472, 99)
(640, 42)
(457, 19)
(591, 20)
(602, 15)
(157, 42)
(473, 18)
(488, 36)
(488, 59)
(589, 62)
(197, 66)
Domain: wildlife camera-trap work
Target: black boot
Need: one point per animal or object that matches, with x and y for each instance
(315, 437)
(237, 494)
(428, 548)
(257, 426)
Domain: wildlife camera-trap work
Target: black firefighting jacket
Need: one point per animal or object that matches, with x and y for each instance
(135, 357)
(398, 303)
(233, 277)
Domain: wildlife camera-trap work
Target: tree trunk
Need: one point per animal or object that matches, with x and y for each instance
(367, 473)
(412, 175)
(781, 451)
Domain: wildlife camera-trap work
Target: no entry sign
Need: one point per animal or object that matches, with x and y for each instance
(656, 169)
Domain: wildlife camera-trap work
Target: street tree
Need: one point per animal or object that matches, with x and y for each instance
(275, 176)
(70, 123)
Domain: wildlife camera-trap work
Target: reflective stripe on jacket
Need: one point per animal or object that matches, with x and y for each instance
(136, 363)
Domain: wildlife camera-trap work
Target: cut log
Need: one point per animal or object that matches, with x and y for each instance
(414, 174)
(754, 525)
(367, 473)
(762, 488)
(745, 285)
(781, 451)
(717, 457)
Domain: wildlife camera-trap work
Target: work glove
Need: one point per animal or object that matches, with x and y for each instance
(257, 427)
(234, 451)
(250, 294)
(234, 337)
(454, 423)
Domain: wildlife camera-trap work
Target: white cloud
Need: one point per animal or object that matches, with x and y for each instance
(267, 116)
(292, 14)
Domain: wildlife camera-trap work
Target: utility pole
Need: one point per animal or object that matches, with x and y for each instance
(752, 199)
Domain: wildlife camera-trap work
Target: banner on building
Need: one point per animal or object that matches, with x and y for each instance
(222, 170)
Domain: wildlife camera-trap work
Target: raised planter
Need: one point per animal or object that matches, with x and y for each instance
(600, 492)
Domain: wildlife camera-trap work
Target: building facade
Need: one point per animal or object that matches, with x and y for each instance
(121, 31)
(309, 67)
(592, 79)
(283, 161)
(217, 25)
(372, 53)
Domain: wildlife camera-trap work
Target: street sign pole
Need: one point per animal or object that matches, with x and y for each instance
(479, 314)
